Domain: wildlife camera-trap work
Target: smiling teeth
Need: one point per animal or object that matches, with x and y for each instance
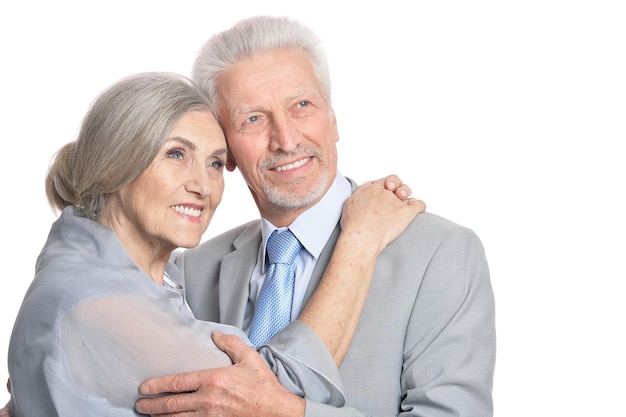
(297, 164)
(187, 211)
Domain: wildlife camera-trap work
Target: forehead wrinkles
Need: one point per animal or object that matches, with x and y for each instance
(300, 94)
(281, 67)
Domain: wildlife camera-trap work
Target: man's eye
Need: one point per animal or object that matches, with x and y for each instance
(253, 124)
(304, 103)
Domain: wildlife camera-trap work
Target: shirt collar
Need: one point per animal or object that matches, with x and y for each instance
(314, 226)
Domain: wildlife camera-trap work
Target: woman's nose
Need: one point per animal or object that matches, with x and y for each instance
(199, 183)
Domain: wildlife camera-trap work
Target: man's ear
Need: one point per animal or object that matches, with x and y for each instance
(231, 165)
(230, 162)
(333, 122)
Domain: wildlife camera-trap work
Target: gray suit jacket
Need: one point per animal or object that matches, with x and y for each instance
(425, 343)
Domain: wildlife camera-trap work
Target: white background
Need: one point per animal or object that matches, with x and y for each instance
(507, 117)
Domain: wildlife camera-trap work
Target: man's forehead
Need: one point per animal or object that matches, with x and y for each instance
(286, 98)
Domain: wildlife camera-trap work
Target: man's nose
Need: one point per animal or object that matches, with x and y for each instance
(284, 134)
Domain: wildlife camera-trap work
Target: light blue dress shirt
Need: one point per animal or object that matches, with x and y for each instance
(313, 229)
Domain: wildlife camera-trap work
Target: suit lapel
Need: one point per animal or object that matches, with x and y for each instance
(235, 274)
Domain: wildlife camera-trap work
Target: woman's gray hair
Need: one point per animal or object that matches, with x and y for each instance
(120, 136)
(253, 36)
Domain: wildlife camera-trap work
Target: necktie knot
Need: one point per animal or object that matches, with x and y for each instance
(283, 247)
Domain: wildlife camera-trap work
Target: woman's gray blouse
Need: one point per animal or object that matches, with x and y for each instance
(93, 326)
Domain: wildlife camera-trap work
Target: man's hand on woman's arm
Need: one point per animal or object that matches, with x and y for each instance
(248, 388)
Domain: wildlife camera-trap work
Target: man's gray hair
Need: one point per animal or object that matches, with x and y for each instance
(253, 36)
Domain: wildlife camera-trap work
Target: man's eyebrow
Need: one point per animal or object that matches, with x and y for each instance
(303, 92)
(259, 109)
(247, 110)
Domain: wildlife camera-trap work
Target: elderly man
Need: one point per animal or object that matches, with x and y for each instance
(425, 343)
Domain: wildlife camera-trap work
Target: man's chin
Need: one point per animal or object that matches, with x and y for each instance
(297, 197)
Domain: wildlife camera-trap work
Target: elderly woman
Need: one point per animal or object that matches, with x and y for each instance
(106, 309)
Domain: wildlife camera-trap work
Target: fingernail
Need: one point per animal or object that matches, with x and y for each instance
(391, 185)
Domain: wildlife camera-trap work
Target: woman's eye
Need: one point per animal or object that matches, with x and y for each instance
(217, 164)
(176, 154)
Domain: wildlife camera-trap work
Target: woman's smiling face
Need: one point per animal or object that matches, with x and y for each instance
(172, 202)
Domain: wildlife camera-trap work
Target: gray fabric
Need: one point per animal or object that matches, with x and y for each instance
(425, 343)
(93, 326)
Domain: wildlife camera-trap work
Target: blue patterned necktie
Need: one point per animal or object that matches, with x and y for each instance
(273, 307)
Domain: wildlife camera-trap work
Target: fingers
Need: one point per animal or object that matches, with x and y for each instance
(177, 404)
(183, 394)
(418, 204)
(186, 382)
(394, 183)
(402, 192)
(376, 215)
(233, 346)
